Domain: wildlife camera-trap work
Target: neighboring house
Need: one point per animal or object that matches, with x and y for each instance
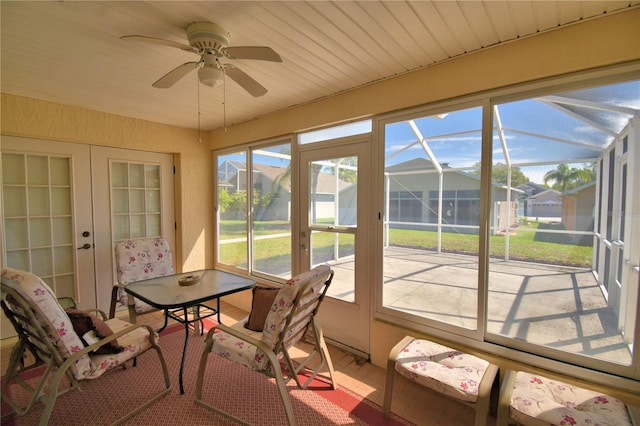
(528, 189)
(413, 188)
(531, 188)
(225, 185)
(269, 179)
(547, 203)
(578, 208)
(233, 174)
(323, 197)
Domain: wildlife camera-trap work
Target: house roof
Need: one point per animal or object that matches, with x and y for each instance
(326, 181)
(273, 173)
(580, 188)
(327, 184)
(531, 188)
(415, 164)
(422, 164)
(550, 192)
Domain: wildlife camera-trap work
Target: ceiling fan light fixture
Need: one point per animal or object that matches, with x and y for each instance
(210, 76)
(211, 42)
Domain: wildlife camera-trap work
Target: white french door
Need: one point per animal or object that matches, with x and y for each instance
(59, 201)
(133, 198)
(334, 200)
(45, 230)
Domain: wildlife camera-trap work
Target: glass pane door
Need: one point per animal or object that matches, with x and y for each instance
(333, 211)
(46, 231)
(333, 207)
(37, 218)
(135, 194)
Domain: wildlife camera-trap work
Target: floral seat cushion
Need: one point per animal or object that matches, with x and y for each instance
(249, 355)
(283, 304)
(237, 350)
(62, 333)
(445, 370)
(537, 400)
(134, 343)
(139, 260)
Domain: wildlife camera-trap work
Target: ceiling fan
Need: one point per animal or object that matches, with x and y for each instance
(211, 42)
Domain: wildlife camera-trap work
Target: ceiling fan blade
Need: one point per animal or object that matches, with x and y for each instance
(260, 53)
(172, 77)
(254, 88)
(154, 40)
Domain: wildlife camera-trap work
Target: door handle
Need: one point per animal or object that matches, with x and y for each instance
(85, 246)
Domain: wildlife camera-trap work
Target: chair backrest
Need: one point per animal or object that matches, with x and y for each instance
(294, 308)
(141, 259)
(38, 317)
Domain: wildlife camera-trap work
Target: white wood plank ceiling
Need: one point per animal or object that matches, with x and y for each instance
(71, 53)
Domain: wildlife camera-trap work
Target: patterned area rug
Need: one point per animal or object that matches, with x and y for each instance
(228, 386)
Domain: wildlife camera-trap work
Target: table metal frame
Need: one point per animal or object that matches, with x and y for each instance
(165, 293)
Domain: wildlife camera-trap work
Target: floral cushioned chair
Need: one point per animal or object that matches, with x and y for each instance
(45, 329)
(466, 378)
(534, 400)
(138, 260)
(292, 314)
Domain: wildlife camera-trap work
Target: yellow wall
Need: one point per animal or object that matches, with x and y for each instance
(606, 41)
(194, 182)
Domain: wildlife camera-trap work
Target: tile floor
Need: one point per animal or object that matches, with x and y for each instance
(414, 403)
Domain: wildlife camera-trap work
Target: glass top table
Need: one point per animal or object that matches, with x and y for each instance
(167, 293)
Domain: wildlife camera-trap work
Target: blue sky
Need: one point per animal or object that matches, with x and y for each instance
(539, 133)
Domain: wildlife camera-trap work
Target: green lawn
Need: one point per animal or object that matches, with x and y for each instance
(273, 255)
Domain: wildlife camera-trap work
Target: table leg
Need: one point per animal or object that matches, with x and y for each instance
(184, 350)
(219, 320)
(198, 325)
(166, 321)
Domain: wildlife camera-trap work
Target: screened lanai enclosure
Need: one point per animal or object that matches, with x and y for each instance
(563, 236)
(511, 220)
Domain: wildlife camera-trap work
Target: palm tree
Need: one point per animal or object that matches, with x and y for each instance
(563, 176)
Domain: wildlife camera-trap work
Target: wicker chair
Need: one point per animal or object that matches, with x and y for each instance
(292, 315)
(45, 329)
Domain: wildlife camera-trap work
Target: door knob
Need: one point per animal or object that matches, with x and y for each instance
(85, 246)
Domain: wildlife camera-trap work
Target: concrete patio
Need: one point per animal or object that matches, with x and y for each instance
(554, 306)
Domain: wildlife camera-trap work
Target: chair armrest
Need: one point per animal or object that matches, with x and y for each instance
(504, 402)
(97, 312)
(395, 351)
(240, 335)
(487, 381)
(634, 414)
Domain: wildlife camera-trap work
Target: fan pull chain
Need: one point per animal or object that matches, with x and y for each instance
(224, 100)
(199, 130)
